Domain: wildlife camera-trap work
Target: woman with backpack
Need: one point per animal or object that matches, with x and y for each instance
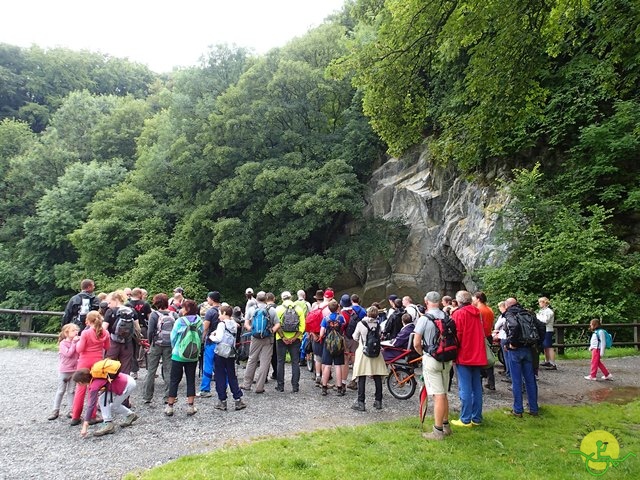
(368, 361)
(161, 322)
(186, 340)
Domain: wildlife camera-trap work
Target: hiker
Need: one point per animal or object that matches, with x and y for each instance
(209, 325)
(94, 342)
(81, 304)
(122, 326)
(288, 331)
(161, 322)
(547, 316)
(332, 340)
(597, 347)
(479, 300)
(260, 320)
(175, 303)
(67, 364)
(224, 337)
(110, 395)
(186, 341)
(142, 309)
(368, 362)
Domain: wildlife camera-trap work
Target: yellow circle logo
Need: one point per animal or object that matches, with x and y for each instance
(600, 447)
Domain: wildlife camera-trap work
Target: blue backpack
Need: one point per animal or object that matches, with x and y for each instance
(261, 323)
(608, 338)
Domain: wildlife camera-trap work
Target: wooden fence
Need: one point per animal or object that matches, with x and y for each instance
(25, 334)
(612, 328)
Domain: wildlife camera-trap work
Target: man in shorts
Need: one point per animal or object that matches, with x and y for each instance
(436, 374)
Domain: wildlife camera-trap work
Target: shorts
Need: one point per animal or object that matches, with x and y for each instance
(548, 340)
(436, 378)
(317, 351)
(327, 359)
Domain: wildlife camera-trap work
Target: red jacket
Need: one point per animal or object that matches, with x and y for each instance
(471, 349)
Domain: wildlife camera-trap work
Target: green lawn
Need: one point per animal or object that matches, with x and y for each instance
(502, 448)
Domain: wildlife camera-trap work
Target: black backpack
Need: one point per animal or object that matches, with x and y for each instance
(87, 303)
(444, 347)
(531, 329)
(372, 342)
(123, 325)
(352, 323)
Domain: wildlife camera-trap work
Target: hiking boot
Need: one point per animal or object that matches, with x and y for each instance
(324, 390)
(221, 405)
(490, 387)
(168, 410)
(352, 385)
(54, 414)
(191, 409)
(446, 428)
(514, 414)
(358, 406)
(341, 391)
(318, 381)
(204, 394)
(106, 429)
(75, 421)
(434, 435)
(240, 405)
(377, 404)
(129, 419)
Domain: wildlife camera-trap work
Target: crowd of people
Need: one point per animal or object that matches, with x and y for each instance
(337, 337)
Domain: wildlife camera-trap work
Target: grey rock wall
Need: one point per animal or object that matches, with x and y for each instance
(452, 229)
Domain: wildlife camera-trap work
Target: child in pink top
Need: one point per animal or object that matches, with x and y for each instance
(67, 364)
(94, 342)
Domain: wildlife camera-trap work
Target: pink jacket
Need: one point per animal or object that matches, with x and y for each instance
(91, 348)
(67, 356)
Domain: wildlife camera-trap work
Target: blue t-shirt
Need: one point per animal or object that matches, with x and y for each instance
(333, 317)
(360, 311)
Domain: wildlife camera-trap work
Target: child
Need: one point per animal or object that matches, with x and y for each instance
(364, 365)
(597, 347)
(109, 395)
(332, 324)
(67, 364)
(225, 367)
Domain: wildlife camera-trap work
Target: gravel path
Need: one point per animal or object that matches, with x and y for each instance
(32, 447)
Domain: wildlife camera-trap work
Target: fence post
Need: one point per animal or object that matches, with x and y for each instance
(560, 340)
(635, 337)
(26, 324)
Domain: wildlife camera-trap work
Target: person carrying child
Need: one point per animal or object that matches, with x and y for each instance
(224, 336)
(67, 364)
(109, 393)
(597, 346)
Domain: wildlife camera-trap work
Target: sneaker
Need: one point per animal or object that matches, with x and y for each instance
(221, 405)
(191, 409)
(489, 387)
(377, 404)
(546, 364)
(476, 424)
(352, 385)
(75, 421)
(106, 429)
(204, 394)
(240, 405)
(168, 410)
(280, 389)
(551, 366)
(514, 414)
(54, 414)
(589, 377)
(604, 377)
(434, 435)
(460, 423)
(358, 406)
(129, 419)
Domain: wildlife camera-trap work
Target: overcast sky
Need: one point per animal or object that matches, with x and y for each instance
(161, 33)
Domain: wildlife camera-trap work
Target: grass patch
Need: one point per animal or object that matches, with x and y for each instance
(43, 345)
(583, 353)
(502, 448)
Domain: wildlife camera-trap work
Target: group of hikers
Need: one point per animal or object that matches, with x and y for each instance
(106, 338)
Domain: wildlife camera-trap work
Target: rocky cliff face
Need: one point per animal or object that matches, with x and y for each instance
(452, 228)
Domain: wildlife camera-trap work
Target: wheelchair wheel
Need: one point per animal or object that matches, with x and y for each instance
(401, 383)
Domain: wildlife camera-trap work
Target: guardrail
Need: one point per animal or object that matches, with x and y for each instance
(612, 328)
(26, 325)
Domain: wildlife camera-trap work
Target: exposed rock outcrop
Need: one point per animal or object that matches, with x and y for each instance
(452, 228)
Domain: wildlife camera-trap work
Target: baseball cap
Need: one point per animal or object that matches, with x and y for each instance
(328, 293)
(178, 290)
(215, 296)
(393, 297)
(285, 295)
(248, 291)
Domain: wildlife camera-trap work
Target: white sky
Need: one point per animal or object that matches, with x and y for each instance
(160, 33)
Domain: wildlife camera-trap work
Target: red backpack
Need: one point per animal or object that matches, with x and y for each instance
(314, 319)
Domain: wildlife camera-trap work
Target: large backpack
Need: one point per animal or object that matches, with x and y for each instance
(166, 321)
(313, 320)
(107, 369)
(530, 332)
(190, 341)
(352, 323)
(123, 325)
(261, 323)
(290, 319)
(84, 307)
(607, 337)
(444, 347)
(372, 342)
(334, 341)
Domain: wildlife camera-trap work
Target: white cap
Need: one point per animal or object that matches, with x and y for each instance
(248, 291)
